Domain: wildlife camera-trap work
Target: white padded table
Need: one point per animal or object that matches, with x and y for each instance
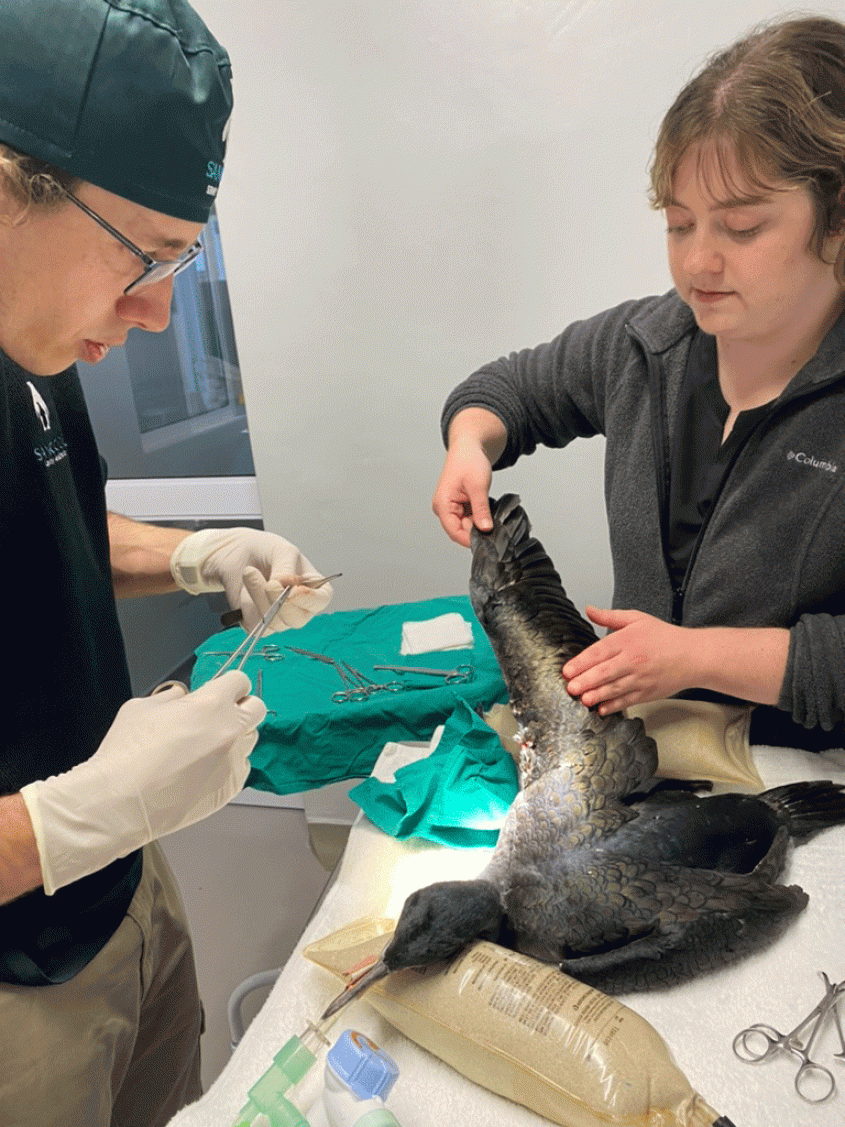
(698, 1020)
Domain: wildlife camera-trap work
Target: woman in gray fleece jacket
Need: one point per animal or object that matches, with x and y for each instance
(723, 404)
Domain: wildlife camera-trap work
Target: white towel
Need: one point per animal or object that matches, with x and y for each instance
(446, 632)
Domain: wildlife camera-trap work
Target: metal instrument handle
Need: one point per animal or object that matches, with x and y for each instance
(752, 1054)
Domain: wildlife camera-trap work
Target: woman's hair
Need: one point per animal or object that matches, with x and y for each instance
(31, 182)
(775, 103)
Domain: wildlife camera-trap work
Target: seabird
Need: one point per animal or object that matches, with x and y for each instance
(624, 881)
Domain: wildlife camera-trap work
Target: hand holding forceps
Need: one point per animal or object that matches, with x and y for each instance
(243, 651)
(233, 617)
(814, 1083)
(250, 641)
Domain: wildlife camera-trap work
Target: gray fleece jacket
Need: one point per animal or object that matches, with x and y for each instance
(772, 552)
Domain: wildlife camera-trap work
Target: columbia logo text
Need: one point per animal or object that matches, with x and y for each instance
(808, 460)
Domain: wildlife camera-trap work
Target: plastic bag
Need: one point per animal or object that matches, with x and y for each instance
(528, 1032)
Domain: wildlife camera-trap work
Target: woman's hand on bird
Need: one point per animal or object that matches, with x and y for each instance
(477, 439)
(462, 497)
(640, 659)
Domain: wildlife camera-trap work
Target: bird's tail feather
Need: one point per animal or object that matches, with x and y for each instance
(808, 806)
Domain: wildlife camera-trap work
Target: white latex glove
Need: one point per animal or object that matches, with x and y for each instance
(167, 761)
(252, 567)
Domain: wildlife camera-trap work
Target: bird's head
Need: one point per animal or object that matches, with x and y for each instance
(437, 923)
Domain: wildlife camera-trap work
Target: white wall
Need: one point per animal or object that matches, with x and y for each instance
(415, 187)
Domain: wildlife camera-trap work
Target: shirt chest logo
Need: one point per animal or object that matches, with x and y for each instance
(41, 409)
(809, 460)
(55, 449)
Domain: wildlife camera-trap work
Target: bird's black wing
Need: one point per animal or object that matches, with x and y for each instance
(518, 596)
(628, 924)
(534, 629)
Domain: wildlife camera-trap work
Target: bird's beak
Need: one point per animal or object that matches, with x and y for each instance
(357, 987)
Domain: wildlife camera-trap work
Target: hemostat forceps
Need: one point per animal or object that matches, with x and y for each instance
(352, 690)
(371, 686)
(356, 686)
(249, 643)
(243, 651)
(457, 676)
(760, 1041)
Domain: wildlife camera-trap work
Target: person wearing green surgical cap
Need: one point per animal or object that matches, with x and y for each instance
(114, 117)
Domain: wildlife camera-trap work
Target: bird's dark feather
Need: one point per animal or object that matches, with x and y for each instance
(623, 885)
(626, 882)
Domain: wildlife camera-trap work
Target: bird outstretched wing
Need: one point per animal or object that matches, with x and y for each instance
(534, 628)
(513, 583)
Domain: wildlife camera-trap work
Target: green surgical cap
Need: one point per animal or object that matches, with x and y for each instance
(134, 96)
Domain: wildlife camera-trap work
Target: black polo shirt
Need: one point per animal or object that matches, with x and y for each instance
(65, 674)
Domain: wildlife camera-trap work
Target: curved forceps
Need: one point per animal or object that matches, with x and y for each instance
(760, 1041)
(354, 690)
(243, 651)
(370, 686)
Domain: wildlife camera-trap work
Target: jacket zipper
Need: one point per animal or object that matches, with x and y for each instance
(679, 593)
(662, 461)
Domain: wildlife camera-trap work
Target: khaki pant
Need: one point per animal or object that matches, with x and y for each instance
(118, 1045)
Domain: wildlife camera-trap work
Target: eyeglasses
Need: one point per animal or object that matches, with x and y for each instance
(154, 270)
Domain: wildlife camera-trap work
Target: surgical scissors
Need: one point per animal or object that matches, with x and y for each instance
(813, 1082)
